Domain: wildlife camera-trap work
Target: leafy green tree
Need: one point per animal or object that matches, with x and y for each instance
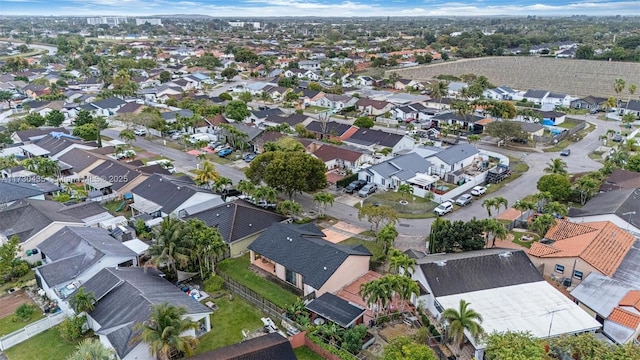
(163, 332)
(439, 89)
(237, 110)
(35, 119)
(352, 338)
(24, 312)
(8, 252)
(288, 82)
(505, 130)
(229, 73)
(91, 349)
(82, 301)
(377, 215)
(514, 346)
(315, 86)
(86, 132)
(55, 118)
(628, 119)
(84, 117)
(245, 97)
(205, 244)
(165, 76)
(168, 250)
(556, 166)
(42, 166)
(557, 185)
(72, 328)
(292, 96)
(225, 96)
(403, 348)
(6, 96)
(364, 122)
(288, 172)
(290, 208)
(461, 320)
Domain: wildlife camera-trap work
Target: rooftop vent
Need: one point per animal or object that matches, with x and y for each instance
(442, 263)
(505, 254)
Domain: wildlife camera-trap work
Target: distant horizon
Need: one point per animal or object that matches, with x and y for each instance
(319, 8)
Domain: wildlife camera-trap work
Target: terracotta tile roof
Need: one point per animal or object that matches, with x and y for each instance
(625, 318)
(632, 299)
(509, 214)
(601, 244)
(484, 121)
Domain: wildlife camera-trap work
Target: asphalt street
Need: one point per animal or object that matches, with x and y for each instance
(413, 231)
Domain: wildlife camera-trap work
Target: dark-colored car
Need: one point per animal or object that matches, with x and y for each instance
(249, 157)
(229, 193)
(519, 140)
(565, 152)
(354, 186)
(617, 138)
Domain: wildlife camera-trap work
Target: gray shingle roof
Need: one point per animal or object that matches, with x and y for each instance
(26, 218)
(535, 94)
(238, 219)
(166, 191)
(130, 295)
(25, 135)
(110, 103)
(623, 201)
(78, 159)
(302, 250)
(13, 189)
(457, 153)
(72, 250)
(404, 167)
(267, 347)
(478, 271)
(628, 271)
(332, 128)
(112, 169)
(370, 137)
(335, 309)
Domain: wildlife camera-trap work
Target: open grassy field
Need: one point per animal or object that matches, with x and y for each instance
(575, 77)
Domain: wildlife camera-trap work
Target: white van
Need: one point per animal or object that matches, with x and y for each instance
(202, 137)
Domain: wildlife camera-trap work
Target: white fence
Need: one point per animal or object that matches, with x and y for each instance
(31, 330)
(471, 182)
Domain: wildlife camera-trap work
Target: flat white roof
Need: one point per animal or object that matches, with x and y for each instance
(535, 307)
(138, 246)
(34, 150)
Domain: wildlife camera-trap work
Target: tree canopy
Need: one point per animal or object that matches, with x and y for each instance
(505, 130)
(557, 185)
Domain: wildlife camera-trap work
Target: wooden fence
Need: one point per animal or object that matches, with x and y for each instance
(254, 298)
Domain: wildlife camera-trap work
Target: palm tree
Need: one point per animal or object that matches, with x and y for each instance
(405, 189)
(489, 204)
(127, 136)
(220, 183)
(405, 287)
(496, 229)
(632, 90)
(541, 198)
(206, 174)
(204, 244)
(91, 349)
(542, 224)
(386, 237)
(162, 332)
(618, 86)
(168, 249)
(556, 166)
(323, 199)
(501, 201)
(461, 320)
(472, 139)
(401, 262)
(290, 208)
(439, 90)
(246, 187)
(555, 208)
(82, 301)
(266, 193)
(587, 187)
(524, 206)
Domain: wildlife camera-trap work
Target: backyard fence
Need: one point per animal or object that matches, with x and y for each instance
(581, 125)
(31, 330)
(254, 298)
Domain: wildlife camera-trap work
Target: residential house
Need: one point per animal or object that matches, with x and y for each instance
(125, 296)
(402, 84)
(632, 107)
(531, 130)
(265, 347)
(410, 112)
(276, 92)
(373, 107)
(403, 169)
(440, 104)
(132, 108)
(161, 93)
(238, 222)
(107, 107)
(73, 255)
(331, 130)
(33, 221)
(499, 93)
(555, 99)
(309, 64)
(376, 140)
(31, 135)
(535, 96)
(17, 188)
(574, 250)
(258, 116)
(308, 97)
(253, 133)
(591, 103)
(465, 122)
(336, 157)
(498, 283)
(292, 120)
(613, 303)
(454, 88)
(621, 207)
(57, 144)
(453, 158)
(298, 255)
(333, 309)
(160, 196)
(551, 117)
(621, 179)
(336, 102)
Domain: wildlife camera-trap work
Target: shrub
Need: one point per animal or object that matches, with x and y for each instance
(344, 355)
(422, 335)
(24, 312)
(352, 339)
(72, 328)
(213, 283)
(20, 268)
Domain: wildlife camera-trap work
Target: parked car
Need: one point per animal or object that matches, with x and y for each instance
(367, 190)
(177, 135)
(444, 208)
(464, 200)
(565, 152)
(249, 157)
(617, 138)
(126, 154)
(140, 131)
(355, 186)
(219, 147)
(478, 190)
(519, 140)
(212, 145)
(267, 205)
(225, 152)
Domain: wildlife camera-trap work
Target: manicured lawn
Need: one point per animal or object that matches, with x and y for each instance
(517, 235)
(238, 270)
(228, 322)
(46, 345)
(315, 109)
(568, 124)
(7, 325)
(23, 279)
(415, 208)
(374, 247)
(112, 206)
(304, 353)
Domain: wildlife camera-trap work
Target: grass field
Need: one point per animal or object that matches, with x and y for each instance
(8, 325)
(46, 345)
(228, 322)
(575, 77)
(304, 353)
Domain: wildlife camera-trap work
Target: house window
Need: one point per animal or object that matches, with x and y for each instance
(438, 306)
(383, 182)
(559, 269)
(290, 277)
(577, 274)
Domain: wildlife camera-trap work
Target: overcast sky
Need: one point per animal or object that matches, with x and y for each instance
(271, 8)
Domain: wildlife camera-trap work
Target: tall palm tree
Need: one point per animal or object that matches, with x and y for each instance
(555, 208)
(400, 261)
(556, 166)
(489, 204)
(290, 208)
(587, 187)
(524, 206)
(266, 193)
(162, 332)
(439, 90)
(464, 318)
(542, 224)
(541, 198)
(246, 187)
(91, 349)
(204, 243)
(405, 190)
(127, 136)
(501, 201)
(206, 174)
(496, 229)
(82, 301)
(220, 183)
(618, 86)
(387, 236)
(405, 287)
(168, 249)
(323, 199)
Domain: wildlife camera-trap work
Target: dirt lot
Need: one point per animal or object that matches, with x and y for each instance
(9, 303)
(574, 77)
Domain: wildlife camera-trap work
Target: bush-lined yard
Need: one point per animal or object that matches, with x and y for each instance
(46, 345)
